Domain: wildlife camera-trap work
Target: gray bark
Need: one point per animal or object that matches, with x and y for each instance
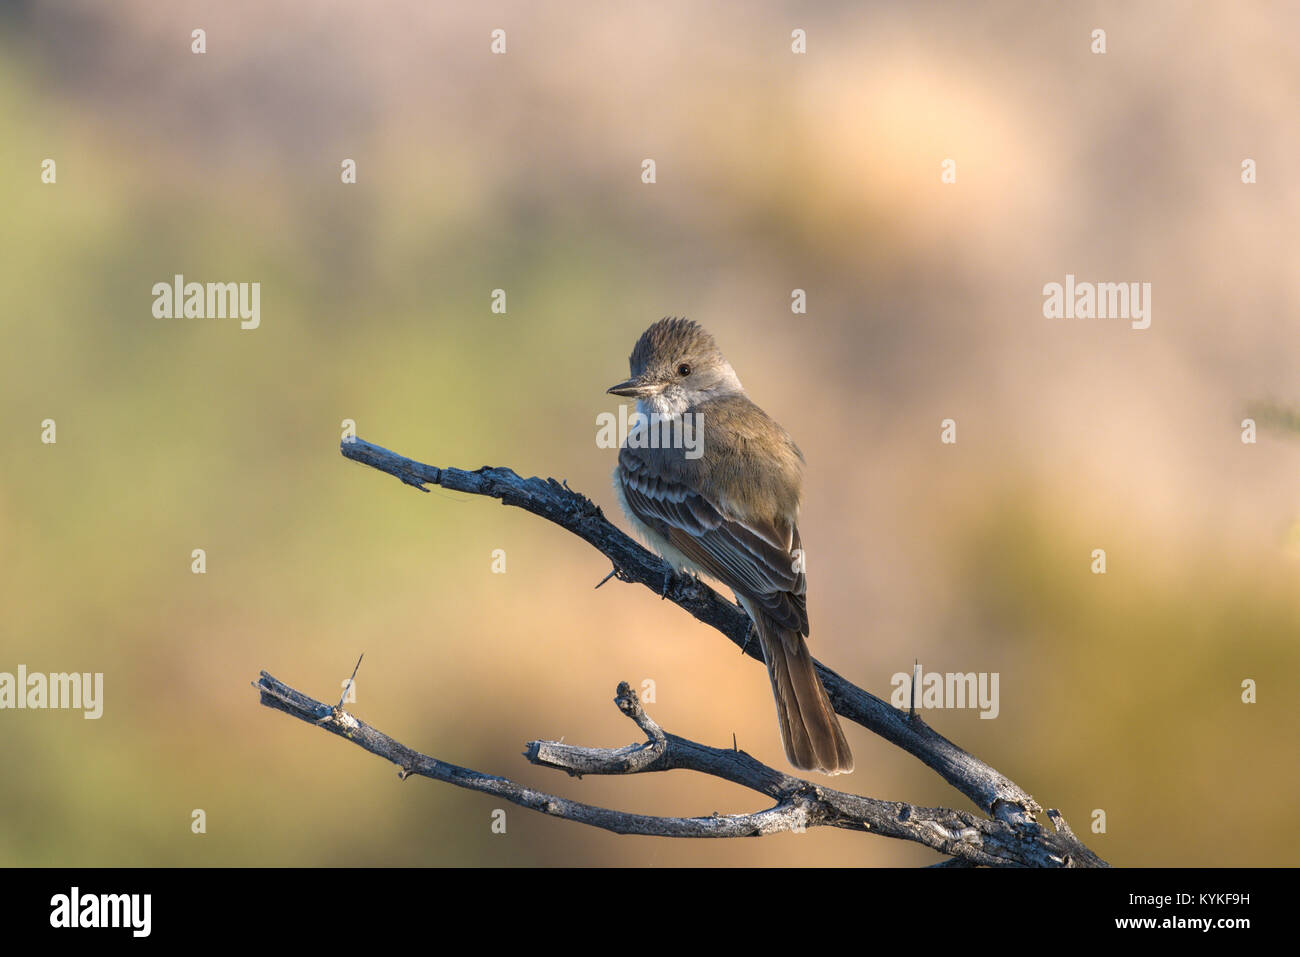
(1010, 835)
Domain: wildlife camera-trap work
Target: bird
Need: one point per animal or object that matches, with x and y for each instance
(727, 506)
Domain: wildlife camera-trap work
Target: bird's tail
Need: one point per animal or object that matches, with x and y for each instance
(810, 731)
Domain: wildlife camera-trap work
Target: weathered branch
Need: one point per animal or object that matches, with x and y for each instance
(965, 837)
(991, 791)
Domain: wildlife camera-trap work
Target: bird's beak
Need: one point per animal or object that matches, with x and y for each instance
(635, 388)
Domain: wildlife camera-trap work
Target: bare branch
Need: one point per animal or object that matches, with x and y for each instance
(991, 791)
(964, 837)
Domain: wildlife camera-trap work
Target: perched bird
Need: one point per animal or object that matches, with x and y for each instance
(728, 508)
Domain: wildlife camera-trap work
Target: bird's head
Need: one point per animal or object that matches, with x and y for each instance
(676, 365)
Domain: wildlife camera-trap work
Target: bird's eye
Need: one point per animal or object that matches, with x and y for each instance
(683, 370)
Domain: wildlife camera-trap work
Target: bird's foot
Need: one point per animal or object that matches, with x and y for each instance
(668, 583)
(750, 634)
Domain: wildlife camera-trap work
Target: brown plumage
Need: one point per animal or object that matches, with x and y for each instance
(731, 513)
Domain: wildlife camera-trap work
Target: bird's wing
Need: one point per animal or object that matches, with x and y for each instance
(756, 562)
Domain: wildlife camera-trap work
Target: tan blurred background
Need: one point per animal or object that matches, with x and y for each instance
(775, 171)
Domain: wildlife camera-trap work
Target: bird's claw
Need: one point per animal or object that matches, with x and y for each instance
(749, 636)
(668, 581)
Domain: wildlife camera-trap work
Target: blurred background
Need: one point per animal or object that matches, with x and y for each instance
(775, 171)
